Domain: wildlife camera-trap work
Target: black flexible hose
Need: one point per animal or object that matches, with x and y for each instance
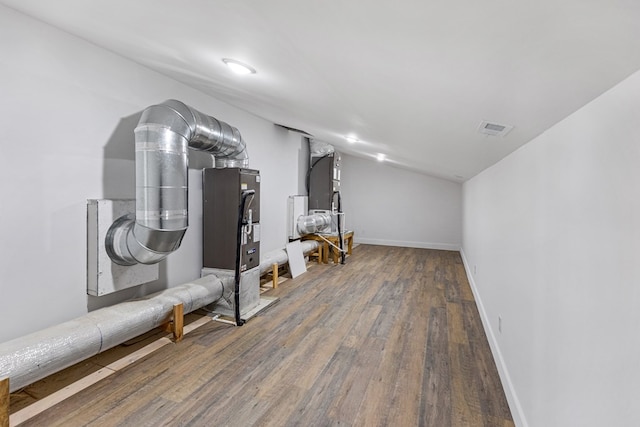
(241, 224)
(339, 216)
(311, 166)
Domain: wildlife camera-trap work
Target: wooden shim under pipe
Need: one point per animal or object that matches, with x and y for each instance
(4, 402)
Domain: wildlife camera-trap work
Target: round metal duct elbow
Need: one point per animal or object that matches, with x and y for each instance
(313, 223)
(163, 136)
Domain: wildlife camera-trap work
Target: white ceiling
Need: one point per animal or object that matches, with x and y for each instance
(411, 78)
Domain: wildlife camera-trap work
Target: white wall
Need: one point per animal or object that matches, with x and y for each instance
(385, 205)
(67, 113)
(553, 231)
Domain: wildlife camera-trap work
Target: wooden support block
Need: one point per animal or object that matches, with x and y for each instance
(4, 402)
(167, 327)
(325, 252)
(275, 275)
(178, 322)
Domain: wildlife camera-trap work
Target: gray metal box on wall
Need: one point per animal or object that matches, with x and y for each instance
(222, 192)
(103, 275)
(324, 181)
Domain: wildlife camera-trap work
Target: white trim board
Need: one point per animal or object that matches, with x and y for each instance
(510, 392)
(408, 244)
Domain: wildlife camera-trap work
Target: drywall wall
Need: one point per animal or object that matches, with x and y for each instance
(552, 245)
(385, 205)
(67, 113)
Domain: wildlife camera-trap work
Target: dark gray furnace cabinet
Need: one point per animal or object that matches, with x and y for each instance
(222, 194)
(324, 181)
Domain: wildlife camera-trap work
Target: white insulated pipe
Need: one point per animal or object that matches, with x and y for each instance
(28, 359)
(280, 256)
(33, 357)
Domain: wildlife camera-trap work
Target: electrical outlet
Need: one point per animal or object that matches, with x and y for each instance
(475, 270)
(500, 324)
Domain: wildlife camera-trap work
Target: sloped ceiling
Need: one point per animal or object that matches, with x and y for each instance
(410, 79)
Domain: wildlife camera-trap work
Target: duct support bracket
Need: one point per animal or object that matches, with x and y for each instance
(4, 402)
(176, 324)
(324, 240)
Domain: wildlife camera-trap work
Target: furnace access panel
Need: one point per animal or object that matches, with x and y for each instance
(222, 193)
(324, 181)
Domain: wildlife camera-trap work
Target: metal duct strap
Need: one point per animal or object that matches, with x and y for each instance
(162, 137)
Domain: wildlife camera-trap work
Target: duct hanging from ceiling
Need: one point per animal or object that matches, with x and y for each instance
(163, 136)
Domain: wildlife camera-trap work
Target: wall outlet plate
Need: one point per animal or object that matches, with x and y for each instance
(103, 275)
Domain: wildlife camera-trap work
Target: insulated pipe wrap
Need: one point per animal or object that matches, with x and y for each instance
(280, 256)
(308, 224)
(28, 359)
(33, 357)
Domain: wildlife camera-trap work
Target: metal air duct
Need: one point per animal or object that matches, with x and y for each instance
(35, 356)
(162, 138)
(308, 224)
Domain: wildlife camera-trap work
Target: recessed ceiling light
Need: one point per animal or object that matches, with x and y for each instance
(352, 139)
(238, 67)
(381, 157)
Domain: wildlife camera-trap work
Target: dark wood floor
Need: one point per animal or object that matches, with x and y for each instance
(392, 338)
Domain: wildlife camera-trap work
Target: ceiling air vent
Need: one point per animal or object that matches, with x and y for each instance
(496, 129)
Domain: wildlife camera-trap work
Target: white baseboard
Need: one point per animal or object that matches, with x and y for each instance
(406, 244)
(510, 392)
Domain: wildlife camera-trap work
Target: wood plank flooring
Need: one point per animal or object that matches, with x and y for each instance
(391, 338)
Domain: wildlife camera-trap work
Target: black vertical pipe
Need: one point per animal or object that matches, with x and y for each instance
(241, 224)
(339, 216)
